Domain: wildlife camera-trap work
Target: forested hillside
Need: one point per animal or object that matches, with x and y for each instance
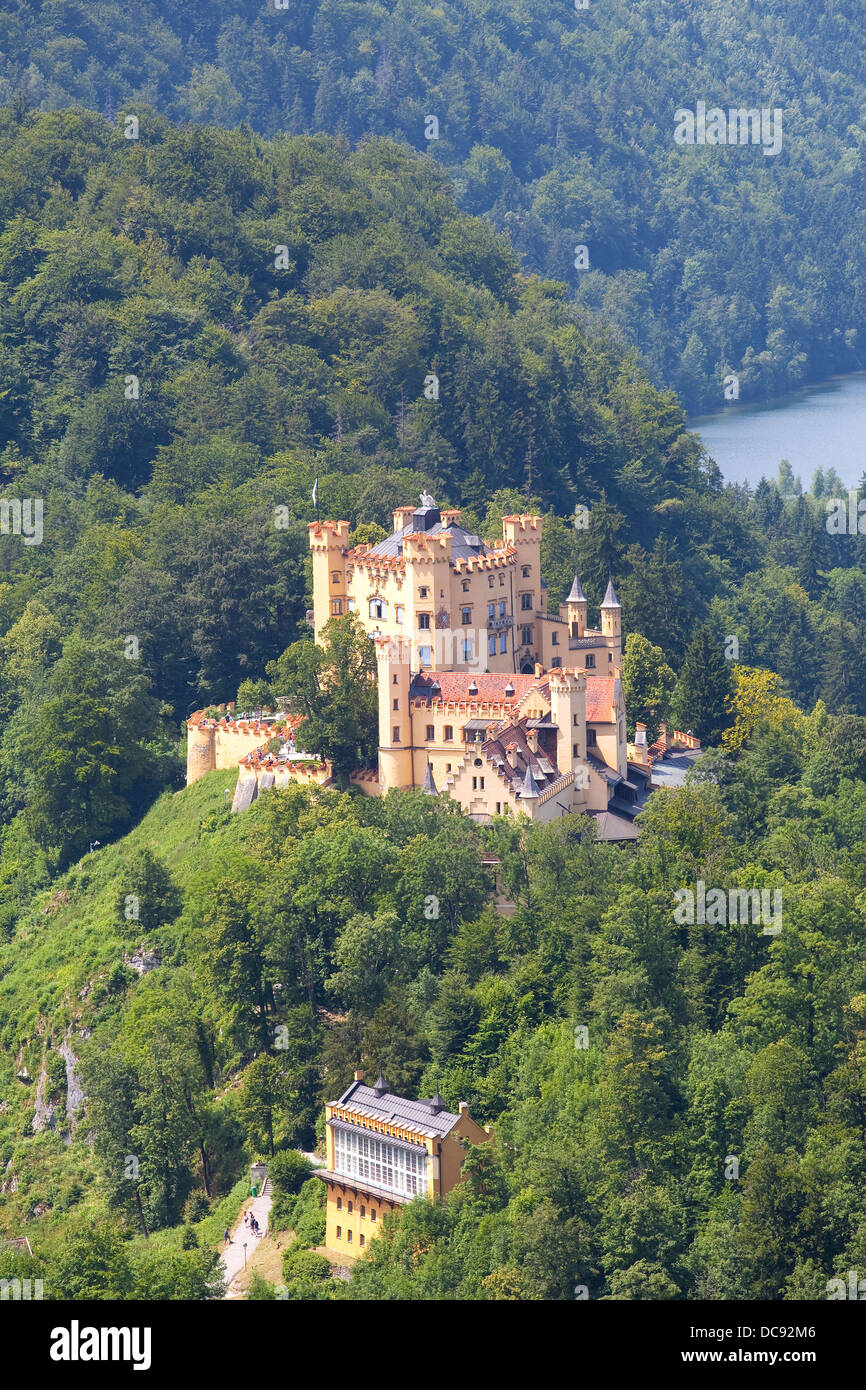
(556, 124)
(678, 1109)
(194, 327)
(198, 324)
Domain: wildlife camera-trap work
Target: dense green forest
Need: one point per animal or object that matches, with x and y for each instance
(678, 1110)
(194, 326)
(557, 125)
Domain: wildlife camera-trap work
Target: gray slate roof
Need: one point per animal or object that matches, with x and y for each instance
(464, 545)
(396, 1109)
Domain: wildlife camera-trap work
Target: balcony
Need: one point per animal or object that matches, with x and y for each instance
(499, 624)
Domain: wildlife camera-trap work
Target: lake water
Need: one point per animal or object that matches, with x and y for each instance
(820, 427)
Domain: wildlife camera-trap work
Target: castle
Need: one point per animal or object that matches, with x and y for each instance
(383, 1150)
(459, 603)
(484, 695)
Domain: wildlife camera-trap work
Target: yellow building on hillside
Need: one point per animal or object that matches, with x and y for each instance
(384, 1150)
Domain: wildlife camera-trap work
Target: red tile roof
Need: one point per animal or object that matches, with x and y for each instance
(600, 696)
(454, 685)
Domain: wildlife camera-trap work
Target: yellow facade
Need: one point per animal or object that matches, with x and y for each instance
(355, 1208)
(482, 612)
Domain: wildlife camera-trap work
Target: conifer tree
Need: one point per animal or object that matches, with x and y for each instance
(704, 684)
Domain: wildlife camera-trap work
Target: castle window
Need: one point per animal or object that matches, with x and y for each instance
(448, 733)
(373, 1214)
(466, 586)
(503, 641)
(339, 1232)
(502, 608)
(423, 591)
(335, 577)
(339, 1204)
(396, 732)
(525, 602)
(447, 767)
(337, 607)
(431, 733)
(555, 639)
(424, 621)
(377, 608)
(395, 680)
(499, 808)
(590, 661)
(525, 571)
(490, 581)
(575, 719)
(466, 616)
(556, 663)
(475, 784)
(362, 1240)
(610, 656)
(491, 611)
(526, 636)
(482, 783)
(363, 1213)
(468, 648)
(574, 752)
(398, 612)
(351, 605)
(424, 656)
(349, 1235)
(590, 738)
(396, 704)
(351, 1207)
(491, 644)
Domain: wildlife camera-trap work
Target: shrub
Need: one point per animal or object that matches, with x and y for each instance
(197, 1206)
(259, 1290)
(305, 1264)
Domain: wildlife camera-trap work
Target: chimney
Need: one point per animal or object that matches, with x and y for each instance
(539, 670)
(359, 1076)
(532, 740)
(511, 754)
(463, 1107)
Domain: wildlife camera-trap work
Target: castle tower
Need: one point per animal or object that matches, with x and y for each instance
(395, 728)
(328, 541)
(576, 610)
(611, 623)
(524, 533)
(428, 597)
(200, 751)
(568, 713)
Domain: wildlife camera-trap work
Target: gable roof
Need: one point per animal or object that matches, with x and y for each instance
(602, 694)
(453, 686)
(464, 544)
(422, 1115)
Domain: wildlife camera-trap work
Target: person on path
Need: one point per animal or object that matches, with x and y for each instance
(228, 1237)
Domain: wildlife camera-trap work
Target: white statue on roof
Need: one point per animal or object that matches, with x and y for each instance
(427, 500)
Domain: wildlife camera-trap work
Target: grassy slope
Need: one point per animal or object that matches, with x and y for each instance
(70, 939)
